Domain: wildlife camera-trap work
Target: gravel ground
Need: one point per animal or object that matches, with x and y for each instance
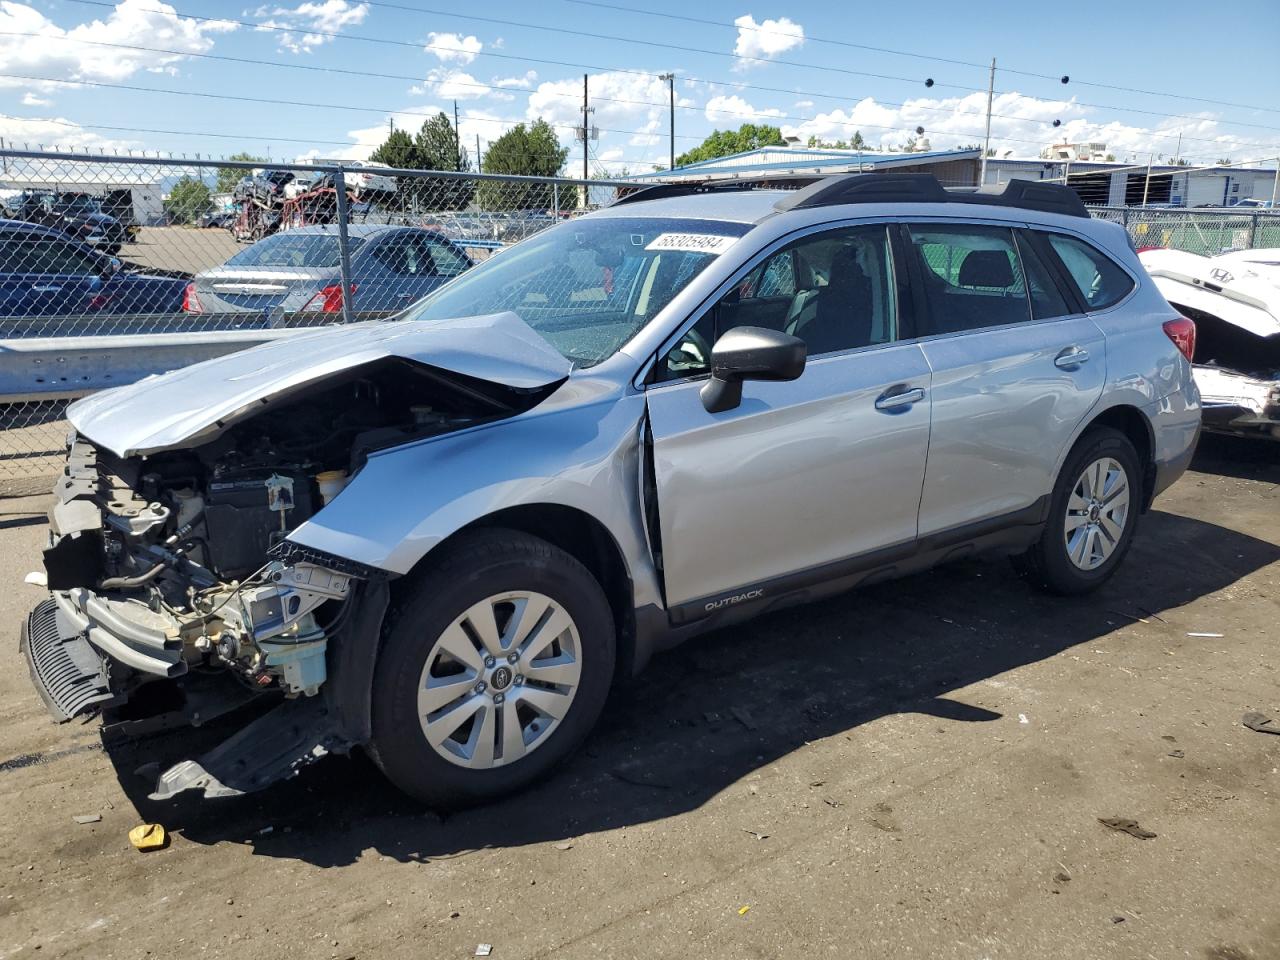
(913, 770)
(186, 250)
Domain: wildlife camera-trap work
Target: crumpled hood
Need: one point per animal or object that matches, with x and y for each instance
(192, 405)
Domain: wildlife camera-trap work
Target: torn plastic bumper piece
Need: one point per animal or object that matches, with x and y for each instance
(69, 674)
(274, 747)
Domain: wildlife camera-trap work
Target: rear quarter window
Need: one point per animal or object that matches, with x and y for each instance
(1101, 281)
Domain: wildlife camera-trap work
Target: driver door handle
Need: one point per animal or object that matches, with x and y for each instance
(896, 401)
(1071, 357)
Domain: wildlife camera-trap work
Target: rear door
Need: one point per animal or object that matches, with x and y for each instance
(802, 477)
(1015, 369)
(47, 276)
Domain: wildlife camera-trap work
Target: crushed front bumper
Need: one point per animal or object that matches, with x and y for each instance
(68, 672)
(1239, 404)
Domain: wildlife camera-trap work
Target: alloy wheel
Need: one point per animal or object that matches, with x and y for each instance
(499, 680)
(1097, 511)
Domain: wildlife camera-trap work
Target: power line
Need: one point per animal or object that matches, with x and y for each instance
(335, 35)
(917, 56)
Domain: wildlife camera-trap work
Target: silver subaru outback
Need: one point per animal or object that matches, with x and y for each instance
(444, 538)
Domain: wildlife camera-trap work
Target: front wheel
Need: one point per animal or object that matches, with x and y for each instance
(1092, 516)
(493, 669)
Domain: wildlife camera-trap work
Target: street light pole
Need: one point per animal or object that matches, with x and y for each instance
(671, 92)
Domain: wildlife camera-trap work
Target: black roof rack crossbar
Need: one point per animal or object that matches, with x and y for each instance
(925, 188)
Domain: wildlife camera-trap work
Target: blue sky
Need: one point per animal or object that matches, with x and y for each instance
(788, 63)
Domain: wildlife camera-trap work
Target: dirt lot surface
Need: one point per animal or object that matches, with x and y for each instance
(914, 770)
(185, 250)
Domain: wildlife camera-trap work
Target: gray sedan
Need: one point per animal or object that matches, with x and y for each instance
(298, 272)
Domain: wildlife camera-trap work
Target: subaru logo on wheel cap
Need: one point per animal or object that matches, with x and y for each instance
(501, 678)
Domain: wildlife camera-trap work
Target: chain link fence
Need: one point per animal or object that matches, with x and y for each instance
(113, 268)
(98, 255)
(1206, 232)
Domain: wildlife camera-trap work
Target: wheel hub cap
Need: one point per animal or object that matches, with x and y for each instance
(499, 680)
(1097, 511)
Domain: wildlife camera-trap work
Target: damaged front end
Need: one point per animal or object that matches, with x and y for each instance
(1235, 303)
(176, 594)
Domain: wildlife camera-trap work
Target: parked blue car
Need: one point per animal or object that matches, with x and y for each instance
(296, 273)
(44, 274)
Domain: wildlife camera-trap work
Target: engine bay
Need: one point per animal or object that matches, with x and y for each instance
(178, 560)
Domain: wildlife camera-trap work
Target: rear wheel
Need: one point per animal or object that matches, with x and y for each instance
(492, 671)
(1092, 516)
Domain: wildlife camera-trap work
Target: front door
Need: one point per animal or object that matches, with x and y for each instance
(803, 475)
(1015, 370)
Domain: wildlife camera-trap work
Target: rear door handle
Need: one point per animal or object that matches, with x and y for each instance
(895, 401)
(46, 288)
(1071, 357)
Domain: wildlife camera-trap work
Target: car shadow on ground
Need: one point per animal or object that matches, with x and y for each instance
(1245, 458)
(719, 708)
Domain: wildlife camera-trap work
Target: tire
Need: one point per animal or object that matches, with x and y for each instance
(1049, 564)
(477, 580)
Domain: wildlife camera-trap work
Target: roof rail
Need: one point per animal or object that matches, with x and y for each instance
(925, 188)
(660, 191)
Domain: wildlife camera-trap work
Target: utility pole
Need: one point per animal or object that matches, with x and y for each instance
(1274, 183)
(1146, 187)
(457, 142)
(671, 91)
(986, 144)
(586, 133)
(1177, 155)
(478, 153)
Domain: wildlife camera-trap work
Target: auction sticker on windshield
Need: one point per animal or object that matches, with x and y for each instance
(692, 242)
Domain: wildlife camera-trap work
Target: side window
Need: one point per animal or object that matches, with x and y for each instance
(1046, 299)
(1101, 280)
(449, 262)
(972, 277)
(36, 253)
(399, 254)
(834, 290)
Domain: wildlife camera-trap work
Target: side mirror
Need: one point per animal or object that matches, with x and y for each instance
(750, 353)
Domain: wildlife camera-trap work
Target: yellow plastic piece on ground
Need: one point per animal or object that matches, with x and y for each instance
(148, 836)
(742, 912)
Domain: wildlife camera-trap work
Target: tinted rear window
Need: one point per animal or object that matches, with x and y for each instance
(1100, 279)
(294, 250)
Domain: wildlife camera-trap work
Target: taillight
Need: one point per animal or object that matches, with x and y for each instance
(99, 301)
(328, 300)
(190, 300)
(1183, 334)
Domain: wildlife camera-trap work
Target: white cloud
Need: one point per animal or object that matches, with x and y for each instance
(453, 47)
(56, 133)
(521, 83)
(631, 102)
(29, 99)
(736, 111)
(457, 85)
(1024, 126)
(310, 25)
(804, 104)
(765, 40)
(46, 49)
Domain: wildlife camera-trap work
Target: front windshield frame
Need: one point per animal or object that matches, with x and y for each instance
(589, 321)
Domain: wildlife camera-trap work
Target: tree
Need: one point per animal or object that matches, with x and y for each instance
(188, 199)
(532, 151)
(723, 143)
(434, 147)
(855, 143)
(228, 177)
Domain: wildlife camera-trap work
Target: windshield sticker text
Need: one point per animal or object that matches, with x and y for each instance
(691, 243)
